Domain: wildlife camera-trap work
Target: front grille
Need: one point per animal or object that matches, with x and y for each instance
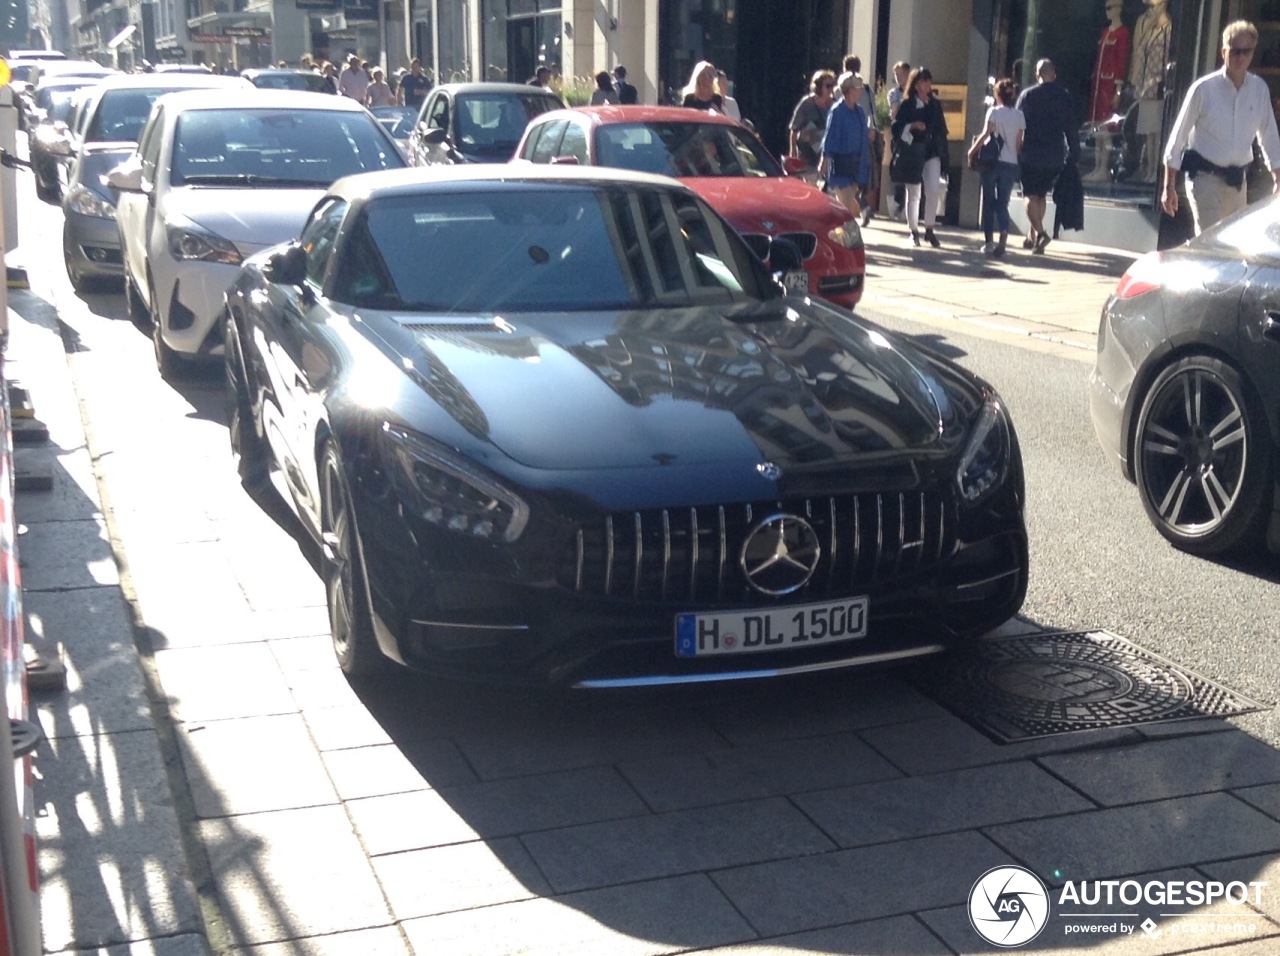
(806, 242)
(692, 554)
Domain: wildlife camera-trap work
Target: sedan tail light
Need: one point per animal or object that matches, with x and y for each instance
(1140, 278)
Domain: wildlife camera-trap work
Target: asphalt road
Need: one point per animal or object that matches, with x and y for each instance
(1096, 561)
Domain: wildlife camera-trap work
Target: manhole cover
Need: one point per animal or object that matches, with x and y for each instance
(1038, 685)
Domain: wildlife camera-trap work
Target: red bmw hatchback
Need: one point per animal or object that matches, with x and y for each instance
(728, 166)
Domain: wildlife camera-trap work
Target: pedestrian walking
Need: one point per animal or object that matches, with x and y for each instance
(809, 121)
(328, 71)
(1049, 142)
(354, 82)
(901, 73)
(845, 153)
(379, 92)
(871, 191)
(604, 91)
(414, 85)
(700, 92)
(919, 151)
(1212, 138)
(1006, 125)
(628, 95)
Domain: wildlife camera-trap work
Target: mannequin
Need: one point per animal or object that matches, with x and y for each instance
(1108, 77)
(1151, 36)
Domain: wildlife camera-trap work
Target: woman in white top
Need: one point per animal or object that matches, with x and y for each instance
(1007, 125)
(379, 92)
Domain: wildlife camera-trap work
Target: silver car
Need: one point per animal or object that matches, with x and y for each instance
(111, 120)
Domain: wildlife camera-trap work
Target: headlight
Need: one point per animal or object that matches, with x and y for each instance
(86, 202)
(985, 461)
(849, 235)
(189, 241)
(447, 490)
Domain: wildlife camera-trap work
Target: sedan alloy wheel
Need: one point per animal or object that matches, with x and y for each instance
(1201, 462)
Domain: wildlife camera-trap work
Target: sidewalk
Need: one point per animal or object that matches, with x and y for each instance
(848, 815)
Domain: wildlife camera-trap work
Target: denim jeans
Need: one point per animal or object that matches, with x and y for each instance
(997, 187)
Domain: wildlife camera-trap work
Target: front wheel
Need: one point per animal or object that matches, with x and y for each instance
(172, 364)
(250, 448)
(350, 623)
(1202, 459)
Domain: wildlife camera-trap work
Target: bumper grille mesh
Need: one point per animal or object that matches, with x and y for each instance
(807, 242)
(692, 554)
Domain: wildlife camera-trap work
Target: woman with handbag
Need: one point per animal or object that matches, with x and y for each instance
(920, 150)
(994, 154)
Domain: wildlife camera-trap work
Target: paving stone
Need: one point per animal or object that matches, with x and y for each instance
(321, 687)
(1266, 798)
(302, 653)
(259, 862)
(938, 803)
(338, 728)
(188, 944)
(1157, 769)
(383, 941)
(947, 743)
(61, 555)
(1179, 832)
(625, 851)
(761, 770)
(1250, 869)
(105, 691)
(253, 765)
(415, 820)
(894, 936)
(109, 846)
(384, 769)
(661, 916)
(216, 683)
(890, 879)
(463, 876)
(74, 495)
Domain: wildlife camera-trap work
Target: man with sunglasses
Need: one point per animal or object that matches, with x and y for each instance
(1212, 138)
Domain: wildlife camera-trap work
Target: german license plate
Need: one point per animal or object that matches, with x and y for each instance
(770, 629)
(797, 280)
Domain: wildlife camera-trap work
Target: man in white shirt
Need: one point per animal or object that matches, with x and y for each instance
(354, 81)
(1212, 138)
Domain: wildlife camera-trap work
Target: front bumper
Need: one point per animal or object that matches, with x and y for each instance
(91, 245)
(191, 301)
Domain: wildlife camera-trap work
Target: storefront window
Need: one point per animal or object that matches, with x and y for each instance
(520, 36)
(1116, 59)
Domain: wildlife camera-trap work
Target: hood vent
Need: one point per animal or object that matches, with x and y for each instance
(458, 325)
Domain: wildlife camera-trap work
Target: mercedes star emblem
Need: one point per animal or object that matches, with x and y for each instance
(780, 554)
(769, 470)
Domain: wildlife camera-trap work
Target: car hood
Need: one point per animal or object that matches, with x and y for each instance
(665, 386)
(750, 201)
(251, 218)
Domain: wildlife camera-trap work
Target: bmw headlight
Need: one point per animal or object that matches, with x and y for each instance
(82, 199)
(188, 241)
(849, 235)
(985, 461)
(447, 490)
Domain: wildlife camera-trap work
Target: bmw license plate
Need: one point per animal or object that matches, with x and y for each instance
(770, 629)
(797, 280)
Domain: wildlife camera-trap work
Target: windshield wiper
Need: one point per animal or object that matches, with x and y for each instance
(247, 179)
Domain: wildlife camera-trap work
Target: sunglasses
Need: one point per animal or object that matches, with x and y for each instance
(1241, 50)
(828, 86)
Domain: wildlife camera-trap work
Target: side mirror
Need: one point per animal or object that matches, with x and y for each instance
(59, 147)
(434, 136)
(127, 177)
(564, 160)
(793, 165)
(287, 267)
(784, 257)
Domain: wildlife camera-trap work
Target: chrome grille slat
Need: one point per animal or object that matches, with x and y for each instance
(866, 541)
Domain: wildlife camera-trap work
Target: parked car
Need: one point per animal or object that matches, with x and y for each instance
(561, 424)
(107, 126)
(51, 141)
(1186, 387)
(217, 176)
(278, 79)
(475, 122)
(727, 165)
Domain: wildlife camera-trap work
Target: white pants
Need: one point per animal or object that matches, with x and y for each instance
(931, 186)
(1212, 200)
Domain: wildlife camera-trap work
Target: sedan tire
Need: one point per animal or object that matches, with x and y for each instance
(138, 313)
(250, 448)
(1202, 457)
(350, 623)
(172, 365)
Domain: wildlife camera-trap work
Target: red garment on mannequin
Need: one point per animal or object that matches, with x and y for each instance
(1108, 71)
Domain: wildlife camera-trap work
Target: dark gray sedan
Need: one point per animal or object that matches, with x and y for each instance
(1185, 394)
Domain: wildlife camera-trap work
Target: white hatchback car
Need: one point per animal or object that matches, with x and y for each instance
(217, 177)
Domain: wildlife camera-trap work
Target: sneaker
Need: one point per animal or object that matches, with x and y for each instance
(988, 248)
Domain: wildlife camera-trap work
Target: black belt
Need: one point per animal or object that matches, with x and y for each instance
(1193, 163)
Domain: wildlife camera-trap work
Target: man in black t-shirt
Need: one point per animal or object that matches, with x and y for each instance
(414, 85)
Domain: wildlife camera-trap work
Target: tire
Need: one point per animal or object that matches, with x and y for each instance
(137, 312)
(1202, 458)
(350, 620)
(49, 194)
(248, 445)
(171, 364)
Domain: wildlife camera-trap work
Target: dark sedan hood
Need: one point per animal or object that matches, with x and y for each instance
(692, 386)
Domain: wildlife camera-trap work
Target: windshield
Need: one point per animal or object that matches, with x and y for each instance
(490, 125)
(56, 101)
(286, 147)
(541, 248)
(683, 149)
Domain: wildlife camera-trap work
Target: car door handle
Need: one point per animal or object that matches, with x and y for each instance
(1271, 326)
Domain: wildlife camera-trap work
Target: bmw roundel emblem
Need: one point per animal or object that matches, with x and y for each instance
(780, 554)
(768, 469)
(768, 225)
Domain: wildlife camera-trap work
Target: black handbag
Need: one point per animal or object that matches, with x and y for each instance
(906, 165)
(989, 152)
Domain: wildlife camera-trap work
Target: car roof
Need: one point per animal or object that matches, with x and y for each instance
(602, 115)
(412, 179)
(165, 81)
(486, 87)
(251, 97)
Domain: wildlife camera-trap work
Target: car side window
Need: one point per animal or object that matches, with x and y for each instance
(548, 139)
(574, 143)
(318, 237)
(438, 113)
(149, 146)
